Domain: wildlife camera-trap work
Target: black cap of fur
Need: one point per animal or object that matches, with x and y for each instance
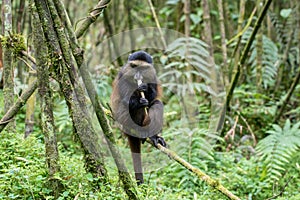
(140, 55)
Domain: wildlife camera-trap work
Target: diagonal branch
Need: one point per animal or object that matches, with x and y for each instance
(93, 15)
(245, 52)
(201, 175)
(18, 105)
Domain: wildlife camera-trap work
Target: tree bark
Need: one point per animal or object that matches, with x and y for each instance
(93, 15)
(46, 105)
(78, 55)
(8, 70)
(259, 52)
(187, 23)
(223, 44)
(10, 114)
(71, 88)
(29, 117)
(236, 51)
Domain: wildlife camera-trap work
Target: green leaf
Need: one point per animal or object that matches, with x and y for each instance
(285, 13)
(195, 18)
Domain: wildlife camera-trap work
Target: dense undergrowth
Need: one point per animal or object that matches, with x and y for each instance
(23, 172)
(24, 176)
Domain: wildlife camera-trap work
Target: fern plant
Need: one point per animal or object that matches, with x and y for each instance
(186, 61)
(277, 149)
(269, 58)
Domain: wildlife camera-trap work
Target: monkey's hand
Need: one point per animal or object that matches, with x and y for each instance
(144, 101)
(158, 140)
(143, 87)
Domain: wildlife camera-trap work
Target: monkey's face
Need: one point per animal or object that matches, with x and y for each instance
(144, 69)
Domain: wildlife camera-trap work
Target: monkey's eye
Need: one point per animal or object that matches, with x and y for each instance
(133, 65)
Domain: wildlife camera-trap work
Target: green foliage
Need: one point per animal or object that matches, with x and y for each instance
(277, 149)
(185, 63)
(269, 58)
(275, 167)
(23, 172)
(195, 147)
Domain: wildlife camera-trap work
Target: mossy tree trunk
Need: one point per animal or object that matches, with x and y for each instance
(128, 184)
(71, 88)
(47, 119)
(8, 70)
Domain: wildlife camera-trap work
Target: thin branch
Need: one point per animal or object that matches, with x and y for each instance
(288, 96)
(157, 24)
(93, 15)
(282, 189)
(11, 113)
(249, 128)
(29, 57)
(201, 175)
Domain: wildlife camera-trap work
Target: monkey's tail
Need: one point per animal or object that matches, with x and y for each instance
(135, 147)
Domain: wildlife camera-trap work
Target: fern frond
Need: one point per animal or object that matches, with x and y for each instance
(277, 149)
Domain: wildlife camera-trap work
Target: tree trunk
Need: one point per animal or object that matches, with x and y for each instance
(78, 55)
(71, 88)
(259, 53)
(8, 70)
(236, 52)
(224, 66)
(47, 120)
(187, 23)
(29, 117)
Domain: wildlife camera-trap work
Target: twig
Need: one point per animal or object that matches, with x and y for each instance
(157, 24)
(232, 130)
(288, 96)
(282, 189)
(27, 64)
(249, 128)
(25, 54)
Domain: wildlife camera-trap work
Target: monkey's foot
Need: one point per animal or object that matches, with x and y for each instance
(158, 140)
(139, 182)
